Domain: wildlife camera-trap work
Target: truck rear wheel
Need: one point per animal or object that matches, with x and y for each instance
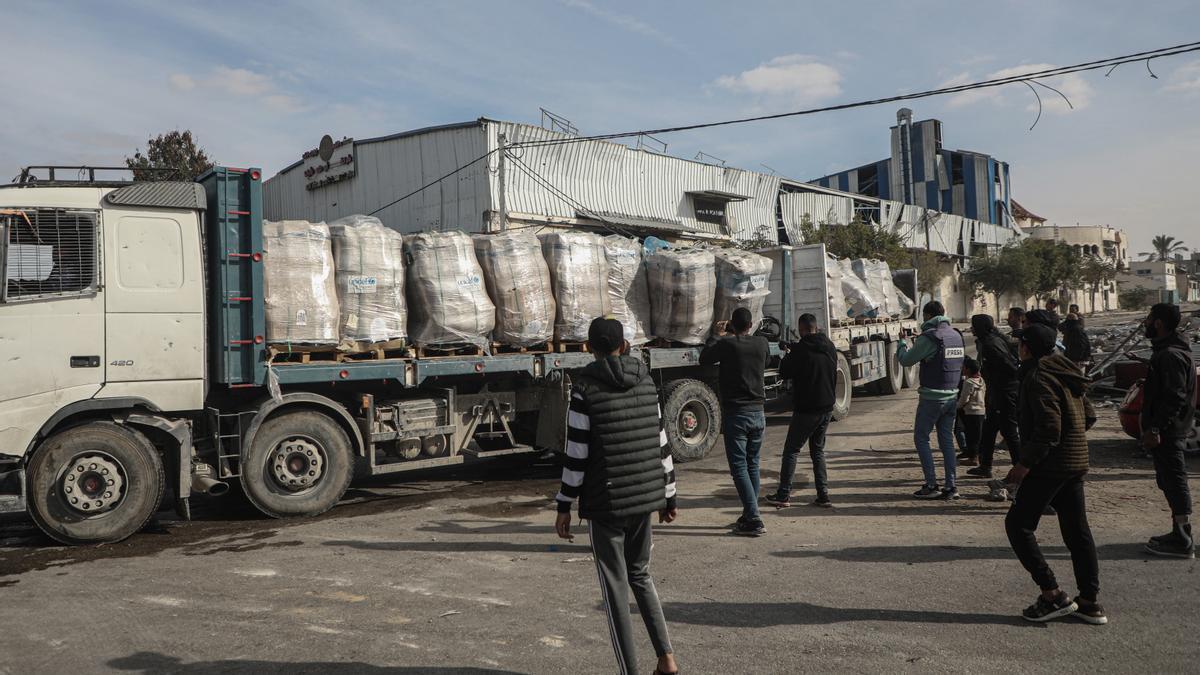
(692, 418)
(842, 388)
(912, 374)
(893, 381)
(95, 483)
(299, 464)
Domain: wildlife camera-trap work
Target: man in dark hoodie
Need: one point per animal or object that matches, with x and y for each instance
(1054, 417)
(1168, 414)
(1075, 341)
(999, 369)
(618, 467)
(811, 365)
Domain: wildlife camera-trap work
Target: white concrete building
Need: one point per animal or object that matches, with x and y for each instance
(1158, 276)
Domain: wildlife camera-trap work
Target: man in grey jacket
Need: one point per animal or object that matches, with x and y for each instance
(619, 469)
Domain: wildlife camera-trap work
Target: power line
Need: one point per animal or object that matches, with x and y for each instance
(1110, 62)
(983, 84)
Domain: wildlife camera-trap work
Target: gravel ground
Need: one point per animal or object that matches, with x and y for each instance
(462, 573)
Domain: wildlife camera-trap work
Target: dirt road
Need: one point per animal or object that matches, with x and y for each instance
(459, 574)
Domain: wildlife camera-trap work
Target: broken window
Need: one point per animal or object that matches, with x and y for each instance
(48, 253)
(956, 169)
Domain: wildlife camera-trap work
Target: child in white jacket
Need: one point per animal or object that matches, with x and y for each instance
(971, 406)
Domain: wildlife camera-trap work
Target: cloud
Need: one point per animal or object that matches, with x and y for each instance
(181, 82)
(628, 23)
(801, 78)
(1185, 79)
(1073, 86)
(240, 81)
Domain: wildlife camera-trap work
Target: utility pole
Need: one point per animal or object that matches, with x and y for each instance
(503, 143)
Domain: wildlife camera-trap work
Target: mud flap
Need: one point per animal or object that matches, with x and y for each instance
(552, 420)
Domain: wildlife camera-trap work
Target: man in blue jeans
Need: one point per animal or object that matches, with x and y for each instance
(940, 350)
(742, 358)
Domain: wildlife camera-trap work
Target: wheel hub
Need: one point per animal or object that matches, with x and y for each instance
(689, 421)
(93, 484)
(693, 422)
(297, 464)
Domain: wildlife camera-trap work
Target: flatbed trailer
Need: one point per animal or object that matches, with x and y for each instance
(148, 371)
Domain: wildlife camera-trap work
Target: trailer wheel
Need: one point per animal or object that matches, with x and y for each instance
(692, 418)
(912, 374)
(95, 483)
(842, 388)
(299, 464)
(893, 382)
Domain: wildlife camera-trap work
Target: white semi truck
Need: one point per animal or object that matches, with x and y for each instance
(135, 366)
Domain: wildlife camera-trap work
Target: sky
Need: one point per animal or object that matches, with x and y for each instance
(260, 83)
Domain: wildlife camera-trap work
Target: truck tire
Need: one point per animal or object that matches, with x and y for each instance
(912, 374)
(691, 417)
(95, 483)
(299, 464)
(842, 388)
(893, 382)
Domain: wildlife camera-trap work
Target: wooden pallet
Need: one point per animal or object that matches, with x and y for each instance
(378, 351)
(539, 348)
(441, 351)
(563, 346)
(293, 353)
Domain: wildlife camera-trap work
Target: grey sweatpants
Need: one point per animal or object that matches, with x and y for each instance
(621, 549)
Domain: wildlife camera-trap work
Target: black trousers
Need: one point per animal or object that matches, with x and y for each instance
(972, 426)
(1001, 418)
(1170, 473)
(806, 427)
(1066, 496)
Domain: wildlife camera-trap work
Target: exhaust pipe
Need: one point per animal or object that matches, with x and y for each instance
(204, 483)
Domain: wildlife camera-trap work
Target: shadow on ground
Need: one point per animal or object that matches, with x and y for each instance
(762, 615)
(153, 663)
(942, 554)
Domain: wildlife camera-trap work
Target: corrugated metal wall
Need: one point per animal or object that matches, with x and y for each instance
(388, 168)
(610, 178)
(821, 209)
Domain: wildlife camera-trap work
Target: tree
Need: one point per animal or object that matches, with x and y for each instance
(1134, 298)
(1096, 272)
(929, 270)
(174, 150)
(1012, 270)
(858, 239)
(1056, 266)
(1164, 248)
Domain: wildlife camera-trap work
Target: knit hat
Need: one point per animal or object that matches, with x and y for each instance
(1039, 339)
(1043, 316)
(605, 336)
(982, 323)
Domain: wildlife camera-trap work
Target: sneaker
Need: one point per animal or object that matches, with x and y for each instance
(1170, 536)
(778, 501)
(822, 501)
(928, 492)
(948, 494)
(1090, 612)
(968, 461)
(998, 491)
(980, 472)
(1045, 610)
(749, 528)
(964, 455)
(1175, 545)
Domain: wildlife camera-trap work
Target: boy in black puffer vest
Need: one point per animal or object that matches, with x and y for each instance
(619, 469)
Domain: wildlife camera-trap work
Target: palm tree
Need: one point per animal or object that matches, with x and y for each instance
(1164, 248)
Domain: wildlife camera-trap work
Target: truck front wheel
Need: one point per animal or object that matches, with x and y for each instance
(95, 483)
(893, 381)
(298, 464)
(842, 389)
(692, 419)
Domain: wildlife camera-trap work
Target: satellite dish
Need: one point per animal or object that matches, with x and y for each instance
(325, 149)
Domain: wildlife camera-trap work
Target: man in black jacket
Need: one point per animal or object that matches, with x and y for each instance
(618, 467)
(1168, 414)
(811, 365)
(742, 358)
(999, 370)
(1078, 347)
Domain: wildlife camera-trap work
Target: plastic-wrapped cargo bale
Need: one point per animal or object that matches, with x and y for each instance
(683, 292)
(859, 301)
(906, 304)
(742, 281)
(301, 297)
(627, 290)
(518, 282)
(369, 262)
(447, 301)
(579, 275)
(837, 296)
(878, 277)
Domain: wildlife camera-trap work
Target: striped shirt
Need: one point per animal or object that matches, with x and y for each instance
(579, 431)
